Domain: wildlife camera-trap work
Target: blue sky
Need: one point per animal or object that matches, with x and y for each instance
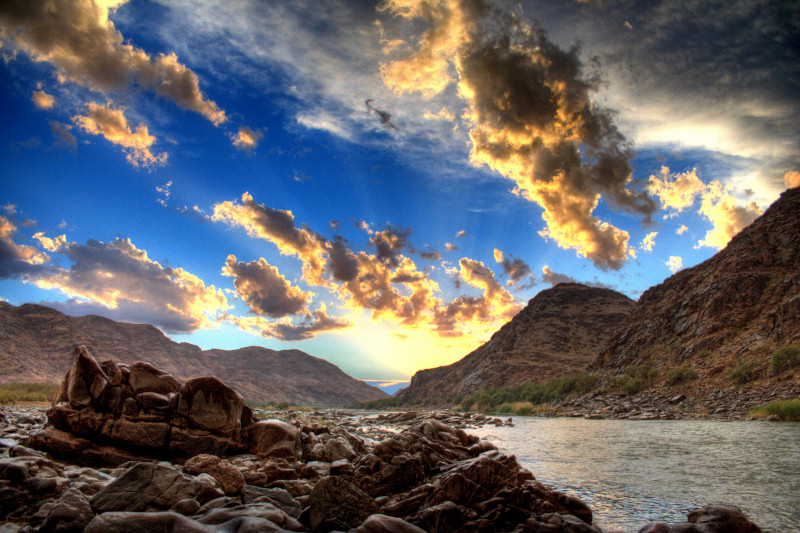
(379, 184)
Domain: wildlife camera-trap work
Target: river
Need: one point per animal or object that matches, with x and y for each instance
(633, 472)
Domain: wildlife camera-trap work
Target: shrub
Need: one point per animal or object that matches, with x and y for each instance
(788, 410)
(633, 385)
(525, 411)
(702, 354)
(636, 377)
(784, 358)
(27, 392)
(681, 375)
(742, 371)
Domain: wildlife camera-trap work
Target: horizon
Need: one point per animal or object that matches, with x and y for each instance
(376, 184)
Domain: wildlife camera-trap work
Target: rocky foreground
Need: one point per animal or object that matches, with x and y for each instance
(119, 452)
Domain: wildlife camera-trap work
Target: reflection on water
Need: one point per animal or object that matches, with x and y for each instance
(632, 472)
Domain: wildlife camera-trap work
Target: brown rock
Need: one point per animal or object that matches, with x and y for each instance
(337, 504)
(85, 380)
(721, 519)
(144, 377)
(230, 478)
(380, 523)
(137, 434)
(210, 404)
(273, 438)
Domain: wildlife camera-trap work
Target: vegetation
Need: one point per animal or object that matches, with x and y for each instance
(784, 358)
(742, 371)
(681, 374)
(702, 354)
(788, 410)
(527, 395)
(636, 378)
(27, 392)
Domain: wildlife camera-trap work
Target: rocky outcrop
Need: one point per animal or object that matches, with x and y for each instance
(37, 342)
(558, 332)
(111, 413)
(738, 305)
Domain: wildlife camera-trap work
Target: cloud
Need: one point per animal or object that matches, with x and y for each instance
(42, 100)
(726, 216)
(322, 120)
(77, 37)
(791, 179)
(676, 191)
(649, 242)
(554, 278)
(247, 139)
(119, 280)
(515, 268)
(51, 245)
(718, 205)
(449, 247)
(442, 114)
(384, 117)
(17, 260)
(390, 243)
(112, 124)
(461, 234)
(264, 289)
(498, 255)
(683, 229)
(675, 263)
(62, 138)
(531, 118)
(314, 323)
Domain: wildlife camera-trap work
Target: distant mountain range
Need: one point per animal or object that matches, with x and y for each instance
(37, 343)
(558, 332)
(739, 305)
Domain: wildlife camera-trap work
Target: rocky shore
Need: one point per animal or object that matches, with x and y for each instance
(112, 454)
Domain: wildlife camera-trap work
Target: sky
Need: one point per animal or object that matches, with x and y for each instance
(380, 184)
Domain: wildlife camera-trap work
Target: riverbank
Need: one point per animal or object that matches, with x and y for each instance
(406, 472)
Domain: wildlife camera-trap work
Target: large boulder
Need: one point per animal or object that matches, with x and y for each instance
(144, 377)
(336, 504)
(273, 438)
(71, 513)
(151, 487)
(210, 404)
(229, 477)
(85, 381)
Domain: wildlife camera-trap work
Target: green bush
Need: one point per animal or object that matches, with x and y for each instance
(535, 393)
(681, 375)
(788, 410)
(27, 392)
(742, 371)
(525, 411)
(633, 385)
(784, 358)
(636, 377)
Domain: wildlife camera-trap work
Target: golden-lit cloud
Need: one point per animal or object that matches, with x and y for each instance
(118, 280)
(681, 230)
(17, 260)
(516, 269)
(554, 278)
(649, 242)
(675, 263)
(727, 217)
(247, 139)
(78, 38)
(791, 179)
(531, 118)
(112, 124)
(387, 283)
(450, 247)
(498, 255)
(442, 114)
(314, 323)
(42, 100)
(264, 289)
(676, 191)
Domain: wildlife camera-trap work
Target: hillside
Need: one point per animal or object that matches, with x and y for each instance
(558, 332)
(738, 306)
(36, 345)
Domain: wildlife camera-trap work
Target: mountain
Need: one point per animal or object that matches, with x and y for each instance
(37, 342)
(739, 305)
(557, 333)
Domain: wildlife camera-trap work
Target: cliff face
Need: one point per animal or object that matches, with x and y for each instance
(558, 332)
(741, 303)
(37, 343)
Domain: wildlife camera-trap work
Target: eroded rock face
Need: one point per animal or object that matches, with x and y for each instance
(210, 404)
(337, 504)
(273, 438)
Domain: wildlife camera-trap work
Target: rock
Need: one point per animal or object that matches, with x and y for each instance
(263, 511)
(85, 380)
(338, 448)
(720, 519)
(655, 527)
(567, 523)
(210, 404)
(446, 516)
(188, 442)
(230, 478)
(59, 443)
(277, 497)
(71, 513)
(130, 522)
(144, 377)
(187, 507)
(337, 504)
(273, 438)
(380, 523)
(138, 434)
(151, 486)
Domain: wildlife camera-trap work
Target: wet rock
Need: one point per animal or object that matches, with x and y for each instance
(719, 519)
(566, 523)
(337, 504)
(71, 513)
(380, 523)
(273, 438)
(152, 486)
(210, 404)
(229, 477)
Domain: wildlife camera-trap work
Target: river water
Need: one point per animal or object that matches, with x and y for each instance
(631, 472)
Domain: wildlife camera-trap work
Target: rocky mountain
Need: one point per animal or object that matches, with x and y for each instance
(734, 308)
(37, 343)
(558, 332)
